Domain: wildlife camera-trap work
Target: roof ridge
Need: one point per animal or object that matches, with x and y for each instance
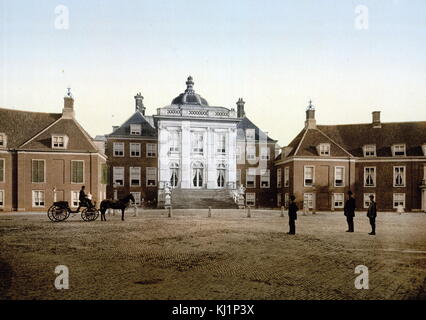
(18, 110)
(368, 123)
(300, 142)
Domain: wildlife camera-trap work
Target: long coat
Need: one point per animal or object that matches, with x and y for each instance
(372, 210)
(350, 207)
(292, 211)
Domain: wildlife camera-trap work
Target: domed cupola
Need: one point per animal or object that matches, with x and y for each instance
(189, 96)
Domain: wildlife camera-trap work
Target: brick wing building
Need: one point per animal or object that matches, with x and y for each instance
(46, 157)
(323, 162)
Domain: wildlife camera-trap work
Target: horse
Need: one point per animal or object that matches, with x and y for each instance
(116, 204)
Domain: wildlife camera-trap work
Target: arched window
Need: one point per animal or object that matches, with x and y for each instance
(174, 174)
(221, 169)
(197, 174)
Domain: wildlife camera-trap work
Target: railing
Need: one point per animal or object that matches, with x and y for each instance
(203, 112)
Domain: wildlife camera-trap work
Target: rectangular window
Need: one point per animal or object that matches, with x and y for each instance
(238, 179)
(251, 178)
(135, 176)
(137, 196)
(77, 171)
(104, 174)
(399, 176)
(286, 176)
(151, 177)
(308, 200)
(324, 149)
(398, 200)
(250, 134)
(38, 171)
(38, 198)
(251, 152)
(265, 153)
(174, 141)
(151, 150)
(197, 142)
(58, 142)
(118, 176)
(74, 199)
(250, 199)
(2, 140)
(2, 170)
(1, 198)
(338, 200)
(221, 143)
(286, 199)
(118, 149)
(369, 177)
(339, 176)
(367, 199)
(265, 179)
(308, 176)
(135, 129)
(279, 177)
(370, 150)
(135, 149)
(279, 200)
(398, 150)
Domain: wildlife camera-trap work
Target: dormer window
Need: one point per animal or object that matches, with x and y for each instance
(135, 129)
(250, 134)
(370, 150)
(398, 150)
(324, 149)
(59, 141)
(3, 140)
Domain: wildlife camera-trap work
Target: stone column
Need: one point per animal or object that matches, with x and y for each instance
(211, 160)
(232, 161)
(163, 148)
(186, 155)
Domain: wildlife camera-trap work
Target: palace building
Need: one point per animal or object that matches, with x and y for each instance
(199, 150)
(47, 157)
(323, 162)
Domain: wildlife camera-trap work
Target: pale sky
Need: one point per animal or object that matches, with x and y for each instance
(275, 54)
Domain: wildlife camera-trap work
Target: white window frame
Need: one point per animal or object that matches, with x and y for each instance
(115, 149)
(366, 199)
(84, 169)
(151, 150)
(248, 174)
(34, 198)
(309, 202)
(279, 199)
(44, 171)
(136, 149)
(265, 155)
(370, 150)
(115, 173)
(250, 199)
(75, 199)
(286, 177)
(2, 197)
(286, 199)
(250, 134)
(340, 201)
(394, 200)
(3, 140)
(137, 196)
(401, 147)
(324, 149)
(343, 176)
(221, 138)
(265, 178)
(174, 142)
(304, 176)
(279, 178)
(135, 129)
(404, 176)
(197, 143)
(3, 180)
(153, 174)
(55, 144)
(374, 177)
(132, 176)
(251, 152)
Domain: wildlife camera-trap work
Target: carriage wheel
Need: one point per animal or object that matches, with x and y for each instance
(90, 214)
(57, 214)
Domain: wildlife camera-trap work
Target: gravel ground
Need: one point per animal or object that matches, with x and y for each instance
(227, 256)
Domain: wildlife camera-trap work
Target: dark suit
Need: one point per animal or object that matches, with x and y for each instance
(349, 211)
(292, 217)
(372, 214)
(83, 200)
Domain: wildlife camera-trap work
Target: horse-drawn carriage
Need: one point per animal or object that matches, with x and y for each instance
(60, 211)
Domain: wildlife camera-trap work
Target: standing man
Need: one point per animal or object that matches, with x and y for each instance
(372, 214)
(292, 215)
(349, 211)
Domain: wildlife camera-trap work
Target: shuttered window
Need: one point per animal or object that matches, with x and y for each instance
(77, 171)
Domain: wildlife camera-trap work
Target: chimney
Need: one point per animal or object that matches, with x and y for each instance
(139, 103)
(376, 119)
(310, 122)
(240, 108)
(68, 110)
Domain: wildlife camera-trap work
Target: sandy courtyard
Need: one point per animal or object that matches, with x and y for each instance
(227, 256)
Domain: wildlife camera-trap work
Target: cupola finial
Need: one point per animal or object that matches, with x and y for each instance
(189, 85)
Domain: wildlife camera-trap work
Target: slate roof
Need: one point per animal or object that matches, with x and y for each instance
(148, 128)
(349, 139)
(244, 124)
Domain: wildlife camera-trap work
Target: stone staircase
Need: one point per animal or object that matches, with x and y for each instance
(202, 199)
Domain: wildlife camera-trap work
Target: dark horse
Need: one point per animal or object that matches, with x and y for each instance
(116, 204)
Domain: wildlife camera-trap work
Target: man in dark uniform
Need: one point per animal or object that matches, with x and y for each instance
(349, 211)
(292, 215)
(372, 214)
(83, 201)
